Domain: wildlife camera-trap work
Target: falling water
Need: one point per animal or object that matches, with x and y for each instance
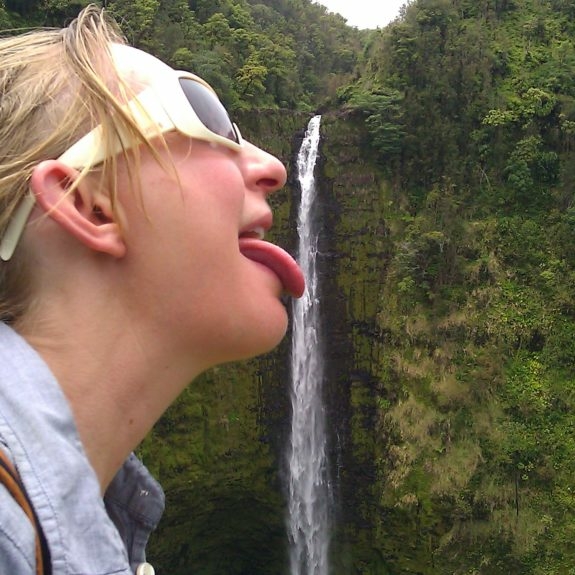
(308, 485)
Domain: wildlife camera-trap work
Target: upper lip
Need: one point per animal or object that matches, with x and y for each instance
(257, 227)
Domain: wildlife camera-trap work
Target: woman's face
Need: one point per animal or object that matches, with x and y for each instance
(198, 267)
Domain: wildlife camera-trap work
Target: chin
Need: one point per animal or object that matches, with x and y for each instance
(267, 336)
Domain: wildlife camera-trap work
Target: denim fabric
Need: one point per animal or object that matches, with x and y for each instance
(87, 535)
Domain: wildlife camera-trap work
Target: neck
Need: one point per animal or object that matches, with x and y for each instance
(117, 386)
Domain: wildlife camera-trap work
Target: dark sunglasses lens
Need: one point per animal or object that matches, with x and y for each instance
(209, 109)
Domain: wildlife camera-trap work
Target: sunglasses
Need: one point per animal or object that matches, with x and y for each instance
(180, 102)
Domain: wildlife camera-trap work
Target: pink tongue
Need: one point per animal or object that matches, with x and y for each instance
(278, 260)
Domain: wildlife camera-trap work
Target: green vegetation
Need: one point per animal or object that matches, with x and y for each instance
(473, 375)
(281, 54)
(446, 185)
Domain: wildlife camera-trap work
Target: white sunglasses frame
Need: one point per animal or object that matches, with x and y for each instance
(160, 108)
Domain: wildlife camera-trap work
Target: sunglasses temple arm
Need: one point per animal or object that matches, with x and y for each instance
(87, 151)
(90, 150)
(87, 147)
(16, 227)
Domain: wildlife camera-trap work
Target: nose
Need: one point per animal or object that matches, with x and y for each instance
(263, 171)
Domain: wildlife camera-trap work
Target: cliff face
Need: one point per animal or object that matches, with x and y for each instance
(354, 250)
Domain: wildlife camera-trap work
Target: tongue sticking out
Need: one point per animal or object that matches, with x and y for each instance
(277, 260)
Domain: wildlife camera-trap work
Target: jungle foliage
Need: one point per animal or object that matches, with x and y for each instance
(469, 107)
(283, 53)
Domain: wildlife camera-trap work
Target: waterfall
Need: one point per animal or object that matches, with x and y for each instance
(308, 520)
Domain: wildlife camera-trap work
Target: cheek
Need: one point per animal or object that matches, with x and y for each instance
(187, 265)
(204, 206)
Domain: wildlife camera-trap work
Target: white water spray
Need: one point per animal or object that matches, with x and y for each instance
(309, 495)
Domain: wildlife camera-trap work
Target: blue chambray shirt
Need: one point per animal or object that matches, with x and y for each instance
(87, 535)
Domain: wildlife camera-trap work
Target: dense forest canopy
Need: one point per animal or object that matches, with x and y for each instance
(288, 54)
(463, 442)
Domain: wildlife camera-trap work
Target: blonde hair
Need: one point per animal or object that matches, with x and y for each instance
(55, 85)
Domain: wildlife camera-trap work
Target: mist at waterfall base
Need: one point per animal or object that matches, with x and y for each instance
(309, 496)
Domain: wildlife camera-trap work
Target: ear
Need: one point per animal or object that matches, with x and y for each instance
(83, 213)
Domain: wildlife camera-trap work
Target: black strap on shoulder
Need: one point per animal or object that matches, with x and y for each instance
(10, 478)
